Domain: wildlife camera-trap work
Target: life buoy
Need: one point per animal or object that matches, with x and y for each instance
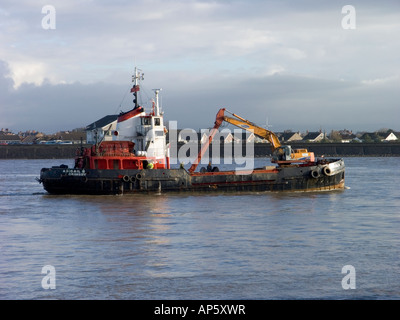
(125, 178)
(327, 171)
(315, 173)
(132, 179)
(139, 176)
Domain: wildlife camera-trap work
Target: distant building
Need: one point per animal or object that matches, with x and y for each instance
(388, 136)
(7, 137)
(370, 137)
(314, 136)
(243, 136)
(186, 135)
(379, 136)
(289, 136)
(343, 136)
(189, 135)
(31, 137)
(69, 137)
(347, 138)
(101, 129)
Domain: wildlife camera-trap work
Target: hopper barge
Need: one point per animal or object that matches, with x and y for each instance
(138, 160)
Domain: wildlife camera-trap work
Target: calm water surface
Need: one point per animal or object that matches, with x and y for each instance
(202, 246)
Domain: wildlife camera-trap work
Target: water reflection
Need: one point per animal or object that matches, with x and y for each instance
(225, 245)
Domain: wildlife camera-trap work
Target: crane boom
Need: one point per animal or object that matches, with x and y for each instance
(280, 154)
(258, 131)
(218, 121)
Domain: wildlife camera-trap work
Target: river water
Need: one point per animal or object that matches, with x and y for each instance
(202, 246)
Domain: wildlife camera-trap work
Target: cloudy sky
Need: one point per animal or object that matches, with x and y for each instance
(296, 64)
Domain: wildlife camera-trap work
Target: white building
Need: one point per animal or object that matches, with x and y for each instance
(389, 137)
(101, 130)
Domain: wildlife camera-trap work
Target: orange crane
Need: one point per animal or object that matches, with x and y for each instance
(280, 153)
(218, 121)
(283, 154)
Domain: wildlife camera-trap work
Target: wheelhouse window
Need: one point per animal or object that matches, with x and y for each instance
(146, 121)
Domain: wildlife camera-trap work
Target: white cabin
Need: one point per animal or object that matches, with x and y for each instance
(146, 130)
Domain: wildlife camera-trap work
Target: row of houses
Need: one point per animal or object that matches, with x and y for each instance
(103, 129)
(34, 137)
(286, 137)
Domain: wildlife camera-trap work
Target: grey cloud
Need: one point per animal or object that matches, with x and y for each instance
(50, 107)
(289, 102)
(297, 103)
(205, 55)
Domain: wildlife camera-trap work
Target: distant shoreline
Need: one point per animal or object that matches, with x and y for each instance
(390, 149)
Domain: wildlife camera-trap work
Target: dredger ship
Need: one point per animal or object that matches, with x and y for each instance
(138, 160)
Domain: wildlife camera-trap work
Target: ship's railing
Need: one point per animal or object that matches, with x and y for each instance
(112, 154)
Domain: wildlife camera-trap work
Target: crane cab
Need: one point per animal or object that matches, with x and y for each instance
(287, 154)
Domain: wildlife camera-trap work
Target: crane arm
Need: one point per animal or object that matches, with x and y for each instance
(283, 154)
(258, 131)
(219, 119)
(280, 154)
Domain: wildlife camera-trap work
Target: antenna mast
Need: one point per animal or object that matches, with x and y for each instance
(135, 89)
(157, 111)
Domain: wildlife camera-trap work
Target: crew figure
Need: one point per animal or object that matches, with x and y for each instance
(150, 165)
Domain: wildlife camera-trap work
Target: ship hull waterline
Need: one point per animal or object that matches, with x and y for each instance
(64, 180)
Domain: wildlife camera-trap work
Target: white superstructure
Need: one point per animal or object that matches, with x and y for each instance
(146, 130)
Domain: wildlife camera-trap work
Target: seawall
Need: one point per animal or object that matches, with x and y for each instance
(66, 151)
(260, 150)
